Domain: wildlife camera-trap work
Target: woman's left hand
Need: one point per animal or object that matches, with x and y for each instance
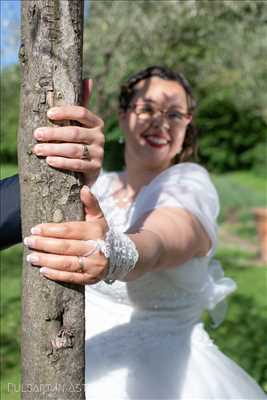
(60, 249)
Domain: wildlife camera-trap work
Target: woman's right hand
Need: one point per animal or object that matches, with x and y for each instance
(62, 249)
(78, 147)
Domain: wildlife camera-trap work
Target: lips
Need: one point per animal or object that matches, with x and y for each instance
(156, 140)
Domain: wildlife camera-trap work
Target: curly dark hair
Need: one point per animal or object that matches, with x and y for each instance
(128, 91)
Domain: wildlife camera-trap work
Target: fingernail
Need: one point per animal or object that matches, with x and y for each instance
(50, 160)
(38, 150)
(32, 258)
(28, 241)
(35, 230)
(52, 112)
(85, 187)
(43, 270)
(39, 133)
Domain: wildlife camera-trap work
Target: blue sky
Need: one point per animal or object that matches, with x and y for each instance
(10, 30)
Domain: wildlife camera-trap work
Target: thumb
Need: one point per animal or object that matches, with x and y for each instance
(87, 91)
(91, 206)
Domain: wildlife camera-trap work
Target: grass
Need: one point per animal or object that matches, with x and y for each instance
(11, 261)
(241, 336)
(240, 193)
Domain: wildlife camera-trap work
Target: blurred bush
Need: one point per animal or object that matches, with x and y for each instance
(230, 139)
(9, 108)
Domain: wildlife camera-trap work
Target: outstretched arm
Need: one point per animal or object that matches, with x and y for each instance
(165, 238)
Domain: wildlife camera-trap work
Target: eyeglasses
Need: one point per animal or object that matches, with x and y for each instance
(147, 111)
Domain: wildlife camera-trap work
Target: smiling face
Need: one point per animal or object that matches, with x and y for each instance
(155, 123)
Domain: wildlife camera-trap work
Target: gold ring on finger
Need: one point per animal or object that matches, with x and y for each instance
(85, 152)
(81, 264)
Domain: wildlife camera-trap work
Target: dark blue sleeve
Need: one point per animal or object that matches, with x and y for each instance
(10, 223)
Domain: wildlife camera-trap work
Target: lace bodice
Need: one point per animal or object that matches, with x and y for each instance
(185, 290)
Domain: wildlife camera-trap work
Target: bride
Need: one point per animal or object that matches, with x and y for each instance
(145, 253)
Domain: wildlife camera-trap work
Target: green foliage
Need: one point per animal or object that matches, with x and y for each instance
(230, 139)
(9, 107)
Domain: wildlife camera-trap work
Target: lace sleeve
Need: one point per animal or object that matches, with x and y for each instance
(186, 186)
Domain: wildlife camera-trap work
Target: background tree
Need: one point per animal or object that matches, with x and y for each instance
(53, 313)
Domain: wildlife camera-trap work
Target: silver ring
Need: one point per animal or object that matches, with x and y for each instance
(81, 264)
(85, 153)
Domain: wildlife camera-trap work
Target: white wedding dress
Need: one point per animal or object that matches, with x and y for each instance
(144, 339)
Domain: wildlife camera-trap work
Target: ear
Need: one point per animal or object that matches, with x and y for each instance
(122, 114)
(122, 119)
(188, 119)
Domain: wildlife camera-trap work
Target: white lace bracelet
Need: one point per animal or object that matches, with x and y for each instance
(121, 252)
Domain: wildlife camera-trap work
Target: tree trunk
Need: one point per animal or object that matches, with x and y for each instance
(53, 313)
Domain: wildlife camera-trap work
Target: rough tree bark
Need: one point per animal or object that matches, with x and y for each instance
(53, 314)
